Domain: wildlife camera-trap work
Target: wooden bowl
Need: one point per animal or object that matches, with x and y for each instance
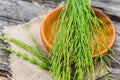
(46, 30)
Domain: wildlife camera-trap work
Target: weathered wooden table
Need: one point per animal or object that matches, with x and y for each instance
(12, 12)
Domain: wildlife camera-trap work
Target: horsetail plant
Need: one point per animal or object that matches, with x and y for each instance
(42, 61)
(72, 51)
(27, 47)
(24, 56)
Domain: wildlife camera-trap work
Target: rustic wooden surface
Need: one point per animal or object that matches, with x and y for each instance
(12, 12)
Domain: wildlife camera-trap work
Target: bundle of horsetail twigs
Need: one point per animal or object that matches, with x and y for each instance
(71, 53)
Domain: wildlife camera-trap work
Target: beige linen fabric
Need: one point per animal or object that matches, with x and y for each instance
(21, 69)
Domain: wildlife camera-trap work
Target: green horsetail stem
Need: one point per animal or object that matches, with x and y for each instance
(27, 26)
(71, 52)
(24, 56)
(27, 47)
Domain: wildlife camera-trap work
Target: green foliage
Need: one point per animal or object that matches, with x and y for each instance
(42, 62)
(27, 47)
(24, 56)
(71, 52)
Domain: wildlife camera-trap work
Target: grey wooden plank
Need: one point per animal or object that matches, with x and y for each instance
(110, 7)
(18, 10)
(4, 61)
(115, 73)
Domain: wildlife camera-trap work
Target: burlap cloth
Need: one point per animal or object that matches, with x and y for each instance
(21, 69)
